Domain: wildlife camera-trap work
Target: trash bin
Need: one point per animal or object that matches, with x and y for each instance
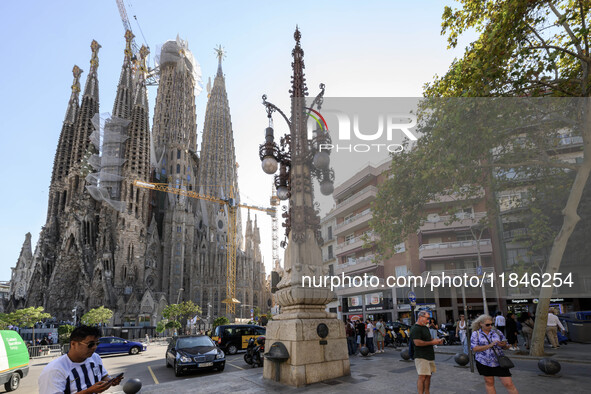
(578, 325)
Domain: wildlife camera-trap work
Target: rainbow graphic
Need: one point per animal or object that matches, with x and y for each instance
(323, 125)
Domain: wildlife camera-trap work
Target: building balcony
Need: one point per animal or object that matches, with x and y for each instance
(512, 234)
(362, 197)
(458, 272)
(352, 244)
(456, 249)
(442, 223)
(353, 223)
(358, 264)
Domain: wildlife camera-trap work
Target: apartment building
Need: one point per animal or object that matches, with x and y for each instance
(355, 256)
(327, 226)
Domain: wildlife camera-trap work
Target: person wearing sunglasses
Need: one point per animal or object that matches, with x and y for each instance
(81, 370)
(485, 341)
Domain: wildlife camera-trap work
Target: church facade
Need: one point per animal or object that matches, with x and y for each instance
(135, 250)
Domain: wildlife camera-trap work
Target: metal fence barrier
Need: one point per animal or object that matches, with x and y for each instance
(46, 350)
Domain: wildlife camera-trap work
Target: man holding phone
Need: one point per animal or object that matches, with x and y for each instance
(80, 370)
(424, 353)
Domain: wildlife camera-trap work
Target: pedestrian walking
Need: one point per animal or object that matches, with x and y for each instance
(500, 322)
(80, 370)
(380, 335)
(483, 340)
(424, 353)
(527, 328)
(552, 328)
(461, 332)
(350, 331)
(360, 329)
(511, 327)
(369, 337)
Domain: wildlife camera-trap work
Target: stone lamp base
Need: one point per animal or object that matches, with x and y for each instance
(312, 358)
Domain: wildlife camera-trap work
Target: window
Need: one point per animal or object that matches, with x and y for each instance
(465, 236)
(349, 239)
(400, 248)
(178, 168)
(329, 231)
(178, 153)
(331, 270)
(330, 253)
(178, 229)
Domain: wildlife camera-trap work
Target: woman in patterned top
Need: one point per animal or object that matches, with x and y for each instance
(483, 339)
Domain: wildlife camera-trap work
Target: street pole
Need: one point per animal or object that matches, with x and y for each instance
(482, 288)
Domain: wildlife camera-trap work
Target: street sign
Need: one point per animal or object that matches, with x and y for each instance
(479, 270)
(413, 304)
(412, 297)
(252, 311)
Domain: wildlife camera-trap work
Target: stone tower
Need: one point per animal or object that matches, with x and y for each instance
(175, 135)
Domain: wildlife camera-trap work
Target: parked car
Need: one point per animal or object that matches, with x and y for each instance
(194, 353)
(112, 345)
(235, 337)
(14, 359)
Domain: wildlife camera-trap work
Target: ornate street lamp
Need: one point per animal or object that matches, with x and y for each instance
(303, 326)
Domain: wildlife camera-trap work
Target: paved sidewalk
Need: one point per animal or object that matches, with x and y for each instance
(387, 373)
(571, 353)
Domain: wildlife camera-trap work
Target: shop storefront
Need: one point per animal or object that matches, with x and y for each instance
(374, 306)
(521, 305)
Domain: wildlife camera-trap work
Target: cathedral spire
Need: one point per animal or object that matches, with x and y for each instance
(221, 54)
(61, 161)
(123, 99)
(88, 108)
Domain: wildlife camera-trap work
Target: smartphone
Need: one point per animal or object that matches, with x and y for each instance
(110, 382)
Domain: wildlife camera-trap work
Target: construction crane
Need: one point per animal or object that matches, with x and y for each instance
(231, 244)
(152, 75)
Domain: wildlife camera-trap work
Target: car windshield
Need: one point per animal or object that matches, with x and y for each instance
(185, 343)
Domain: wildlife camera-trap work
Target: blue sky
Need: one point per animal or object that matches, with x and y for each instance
(358, 49)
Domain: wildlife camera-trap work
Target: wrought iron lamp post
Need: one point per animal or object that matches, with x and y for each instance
(303, 314)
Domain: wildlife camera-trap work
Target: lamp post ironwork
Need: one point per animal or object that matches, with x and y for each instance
(303, 309)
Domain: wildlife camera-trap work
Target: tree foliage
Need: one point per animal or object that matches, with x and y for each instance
(524, 48)
(96, 316)
(64, 333)
(220, 321)
(179, 313)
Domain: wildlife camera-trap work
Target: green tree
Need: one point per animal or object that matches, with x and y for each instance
(160, 327)
(524, 48)
(220, 321)
(5, 320)
(179, 313)
(64, 333)
(27, 317)
(97, 316)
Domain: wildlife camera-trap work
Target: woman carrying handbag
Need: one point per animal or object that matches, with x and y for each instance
(487, 345)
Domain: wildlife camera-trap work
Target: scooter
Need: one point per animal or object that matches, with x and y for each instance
(442, 334)
(254, 352)
(390, 338)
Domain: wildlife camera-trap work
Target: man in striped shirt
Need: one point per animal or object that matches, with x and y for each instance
(78, 371)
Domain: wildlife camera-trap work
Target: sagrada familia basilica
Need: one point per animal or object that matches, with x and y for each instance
(135, 250)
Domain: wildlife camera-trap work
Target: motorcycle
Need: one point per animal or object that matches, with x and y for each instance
(390, 338)
(254, 352)
(442, 334)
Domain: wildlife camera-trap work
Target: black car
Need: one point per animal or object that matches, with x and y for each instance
(194, 353)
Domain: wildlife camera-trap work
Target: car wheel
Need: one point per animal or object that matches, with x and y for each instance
(134, 350)
(177, 370)
(13, 383)
(167, 363)
(232, 349)
(221, 369)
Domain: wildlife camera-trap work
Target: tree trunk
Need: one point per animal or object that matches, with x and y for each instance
(571, 219)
